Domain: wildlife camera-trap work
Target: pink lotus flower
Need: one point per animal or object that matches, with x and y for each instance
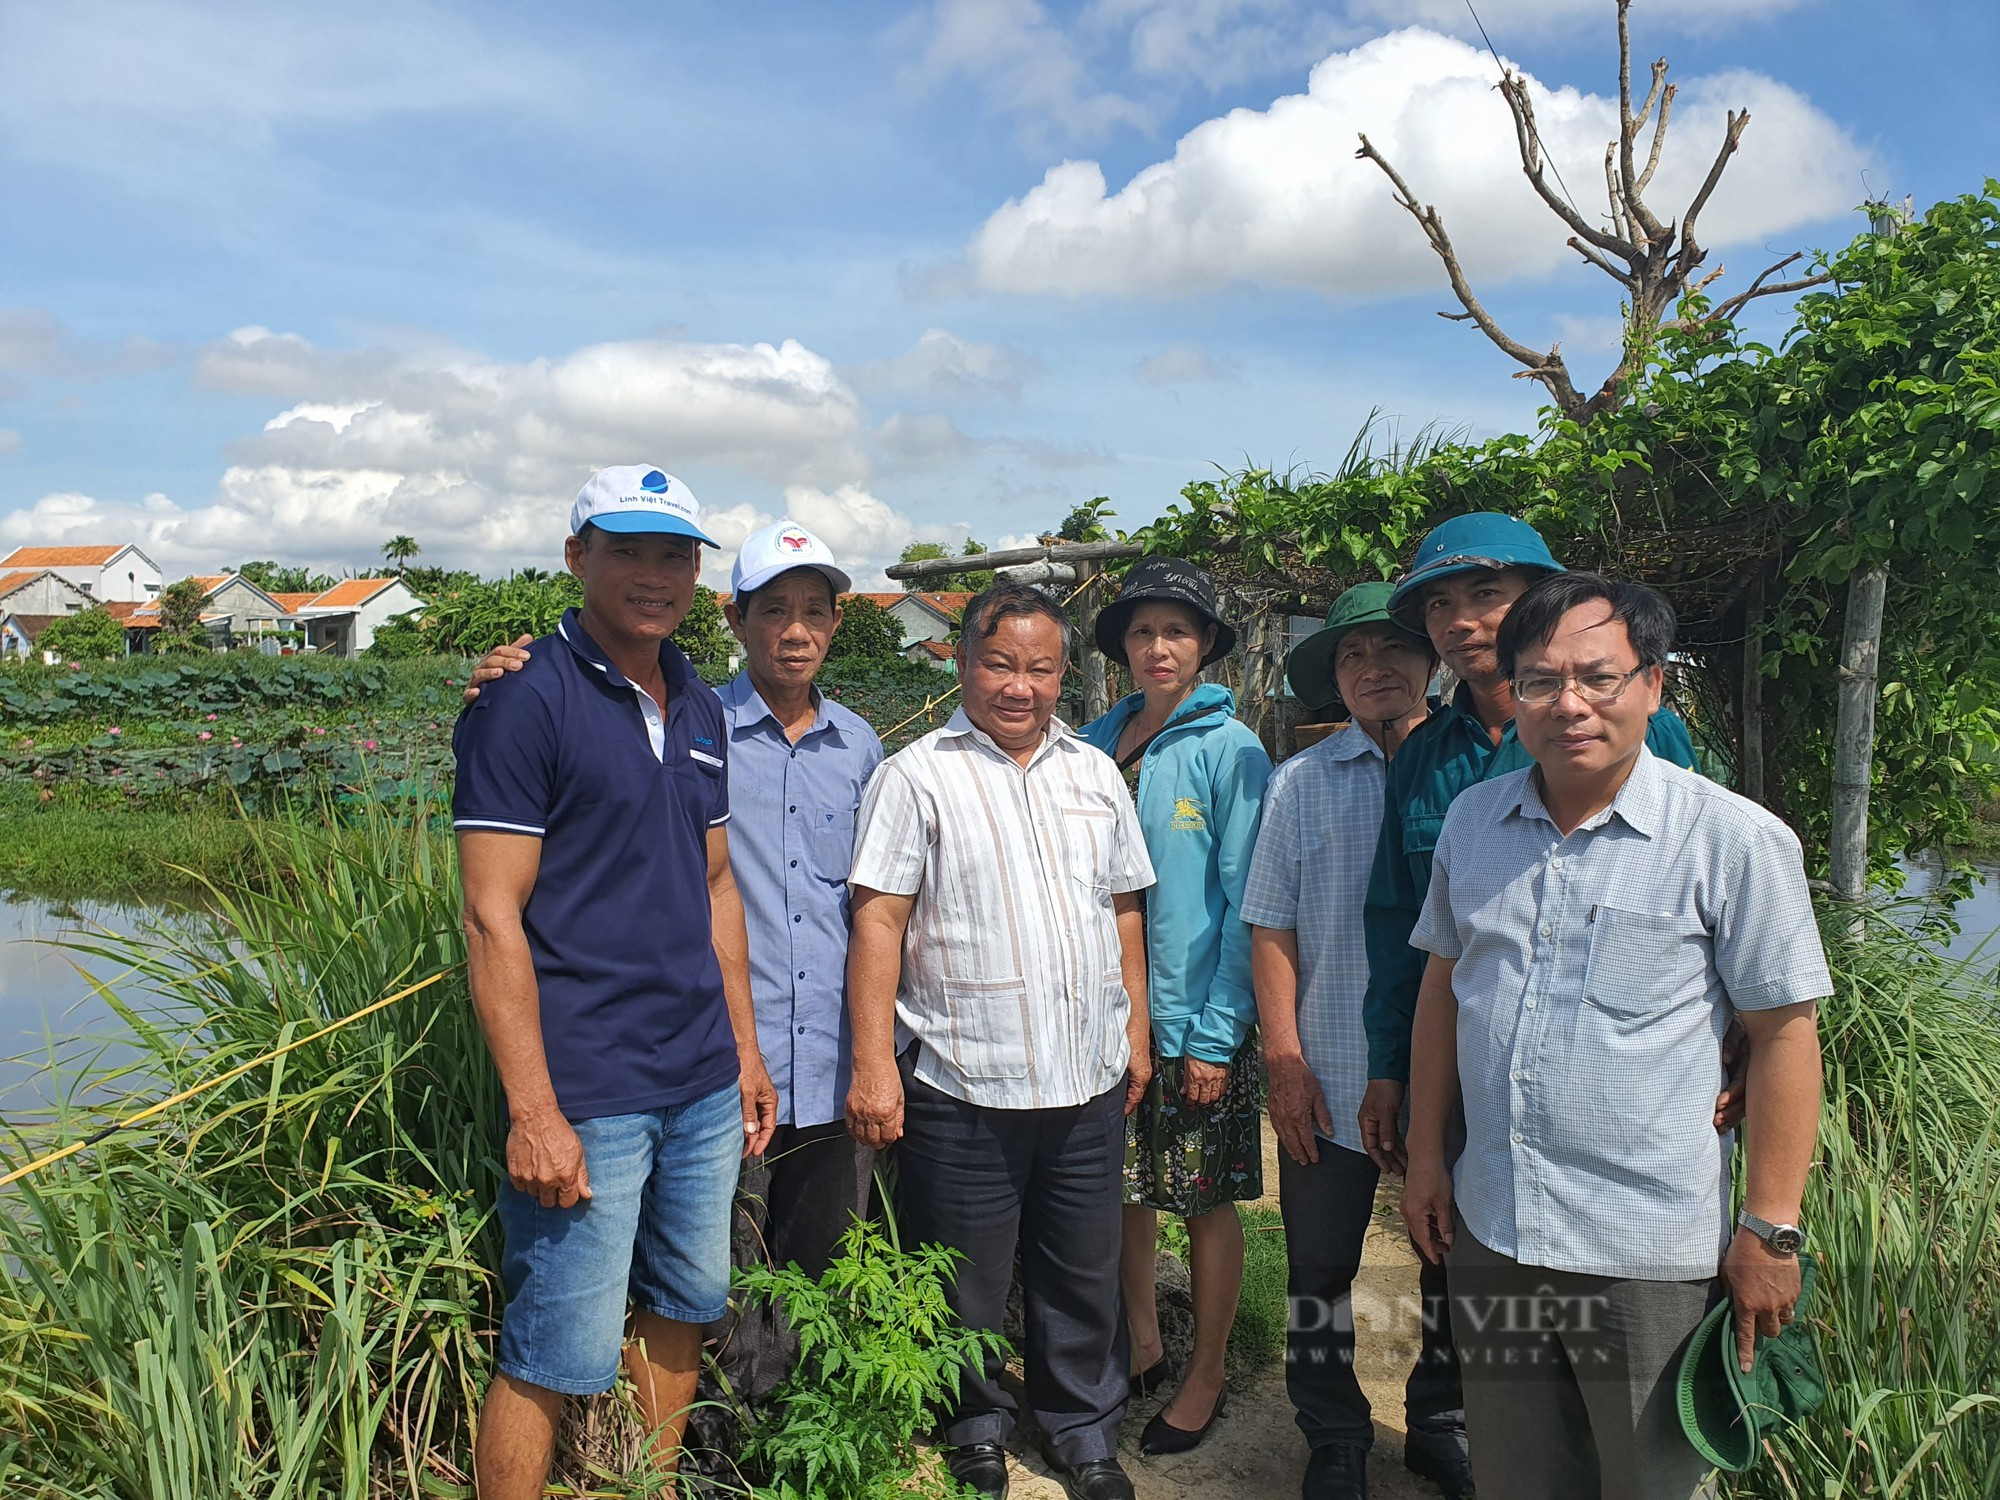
(318, 730)
(236, 744)
(211, 718)
(114, 729)
(205, 735)
(368, 744)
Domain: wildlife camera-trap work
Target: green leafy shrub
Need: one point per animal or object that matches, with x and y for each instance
(878, 1348)
(399, 638)
(90, 635)
(868, 635)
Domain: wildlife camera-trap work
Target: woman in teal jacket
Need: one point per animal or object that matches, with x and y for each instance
(1194, 1144)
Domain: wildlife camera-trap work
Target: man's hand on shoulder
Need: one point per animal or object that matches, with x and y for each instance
(545, 1160)
(495, 663)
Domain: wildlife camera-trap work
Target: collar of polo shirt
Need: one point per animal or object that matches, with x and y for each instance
(673, 662)
(960, 724)
(1637, 803)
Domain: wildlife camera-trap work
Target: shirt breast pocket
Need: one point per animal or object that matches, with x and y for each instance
(1087, 829)
(1641, 962)
(832, 843)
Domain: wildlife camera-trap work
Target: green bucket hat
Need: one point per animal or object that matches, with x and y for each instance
(1727, 1414)
(1309, 666)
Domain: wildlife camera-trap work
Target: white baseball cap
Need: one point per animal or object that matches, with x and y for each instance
(637, 497)
(779, 549)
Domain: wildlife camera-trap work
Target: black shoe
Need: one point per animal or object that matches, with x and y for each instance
(1095, 1479)
(980, 1467)
(1440, 1458)
(1162, 1437)
(1150, 1379)
(1338, 1471)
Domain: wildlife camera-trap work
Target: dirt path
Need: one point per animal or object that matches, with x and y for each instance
(1255, 1451)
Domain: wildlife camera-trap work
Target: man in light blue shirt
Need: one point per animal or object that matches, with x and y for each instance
(1593, 923)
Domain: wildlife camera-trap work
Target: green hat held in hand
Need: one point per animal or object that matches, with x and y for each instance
(1726, 1413)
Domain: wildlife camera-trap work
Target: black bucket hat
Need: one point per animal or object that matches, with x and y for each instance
(1162, 578)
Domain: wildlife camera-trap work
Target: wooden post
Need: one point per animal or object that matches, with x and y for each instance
(1096, 692)
(1854, 733)
(1751, 771)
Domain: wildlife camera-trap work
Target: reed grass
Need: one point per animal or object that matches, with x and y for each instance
(286, 1288)
(1904, 1210)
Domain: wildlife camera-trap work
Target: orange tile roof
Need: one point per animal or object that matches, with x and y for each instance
(293, 603)
(127, 612)
(210, 582)
(353, 593)
(19, 578)
(60, 557)
(938, 649)
(952, 604)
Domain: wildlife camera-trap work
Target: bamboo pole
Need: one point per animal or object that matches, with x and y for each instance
(1096, 692)
(1752, 738)
(1854, 732)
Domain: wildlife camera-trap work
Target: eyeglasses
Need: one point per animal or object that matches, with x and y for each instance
(1592, 687)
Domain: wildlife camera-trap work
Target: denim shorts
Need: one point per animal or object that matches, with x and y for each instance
(654, 1231)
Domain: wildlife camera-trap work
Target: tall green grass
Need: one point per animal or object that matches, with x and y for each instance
(286, 1289)
(1904, 1210)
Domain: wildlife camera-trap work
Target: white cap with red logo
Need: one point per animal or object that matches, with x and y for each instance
(779, 549)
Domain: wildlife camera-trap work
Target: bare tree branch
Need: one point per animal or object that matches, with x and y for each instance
(1654, 261)
(1659, 126)
(1623, 278)
(1732, 134)
(1547, 368)
(1635, 208)
(1723, 311)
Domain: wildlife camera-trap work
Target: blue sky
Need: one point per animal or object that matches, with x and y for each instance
(284, 281)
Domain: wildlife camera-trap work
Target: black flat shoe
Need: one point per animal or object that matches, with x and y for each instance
(1338, 1471)
(981, 1468)
(1162, 1437)
(1440, 1457)
(1150, 1379)
(1099, 1479)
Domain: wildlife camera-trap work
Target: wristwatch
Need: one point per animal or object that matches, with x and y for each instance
(1785, 1239)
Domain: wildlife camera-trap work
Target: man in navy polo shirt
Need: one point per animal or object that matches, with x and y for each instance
(609, 968)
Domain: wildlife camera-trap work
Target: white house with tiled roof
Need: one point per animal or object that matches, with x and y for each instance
(924, 616)
(233, 608)
(110, 572)
(343, 620)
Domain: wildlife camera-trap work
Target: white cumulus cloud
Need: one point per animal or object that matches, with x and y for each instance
(1276, 196)
(479, 458)
(944, 365)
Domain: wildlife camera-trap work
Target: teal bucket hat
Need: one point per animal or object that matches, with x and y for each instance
(1727, 1414)
(1309, 665)
(1483, 539)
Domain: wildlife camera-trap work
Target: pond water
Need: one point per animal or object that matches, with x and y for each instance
(47, 1007)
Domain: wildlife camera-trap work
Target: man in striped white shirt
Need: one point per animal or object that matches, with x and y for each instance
(997, 985)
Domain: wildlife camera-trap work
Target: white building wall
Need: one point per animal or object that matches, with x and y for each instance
(49, 594)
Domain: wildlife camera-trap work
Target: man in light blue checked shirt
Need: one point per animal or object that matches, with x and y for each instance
(1592, 924)
(1309, 960)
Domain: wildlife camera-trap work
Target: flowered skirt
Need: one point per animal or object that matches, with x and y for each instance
(1190, 1158)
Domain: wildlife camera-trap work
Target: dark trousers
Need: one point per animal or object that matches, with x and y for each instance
(1047, 1182)
(1573, 1381)
(1326, 1209)
(792, 1206)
